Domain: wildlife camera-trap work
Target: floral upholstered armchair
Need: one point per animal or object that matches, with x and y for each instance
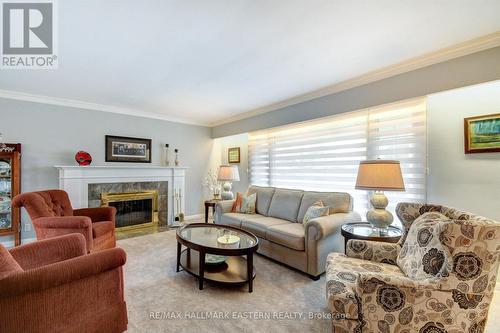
(449, 262)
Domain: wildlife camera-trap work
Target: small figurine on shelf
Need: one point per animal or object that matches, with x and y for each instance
(167, 157)
(176, 157)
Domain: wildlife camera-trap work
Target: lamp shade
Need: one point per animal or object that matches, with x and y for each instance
(228, 173)
(380, 175)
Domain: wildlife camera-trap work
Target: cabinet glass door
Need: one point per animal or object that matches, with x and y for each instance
(5, 192)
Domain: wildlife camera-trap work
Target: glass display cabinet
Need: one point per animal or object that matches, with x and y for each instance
(10, 186)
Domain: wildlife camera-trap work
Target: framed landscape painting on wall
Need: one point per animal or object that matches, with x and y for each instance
(482, 134)
(126, 149)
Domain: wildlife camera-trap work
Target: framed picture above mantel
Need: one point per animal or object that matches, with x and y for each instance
(127, 149)
(482, 134)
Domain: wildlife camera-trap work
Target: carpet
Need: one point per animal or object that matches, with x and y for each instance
(161, 300)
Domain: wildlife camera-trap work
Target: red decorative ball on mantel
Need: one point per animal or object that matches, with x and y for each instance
(83, 158)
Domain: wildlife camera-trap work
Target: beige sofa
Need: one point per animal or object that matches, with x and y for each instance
(278, 225)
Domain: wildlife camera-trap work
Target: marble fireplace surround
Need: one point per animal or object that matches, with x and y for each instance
(95, 190)
(168, 180)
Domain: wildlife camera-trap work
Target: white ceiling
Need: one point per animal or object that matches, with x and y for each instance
(204, 61)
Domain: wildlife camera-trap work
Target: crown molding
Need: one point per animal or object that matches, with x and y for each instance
(455, 51)
(21, 96)
(452, 52)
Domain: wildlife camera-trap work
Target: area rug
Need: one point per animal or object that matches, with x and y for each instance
(161, 300)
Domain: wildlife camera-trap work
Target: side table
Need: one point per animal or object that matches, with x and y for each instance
(365, 231)
(210, 203)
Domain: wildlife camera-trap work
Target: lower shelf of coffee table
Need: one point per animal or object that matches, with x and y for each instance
(233, 271)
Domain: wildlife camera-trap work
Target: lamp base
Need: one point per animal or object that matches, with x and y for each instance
(227, 194)
(378, 216)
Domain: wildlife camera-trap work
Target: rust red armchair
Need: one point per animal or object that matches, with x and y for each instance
(53, 285)
(52, 215)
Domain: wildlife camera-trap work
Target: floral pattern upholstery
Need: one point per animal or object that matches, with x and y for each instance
(343, 277)
(374, 251)
(316, 210)
(423, 255)
(368, 297)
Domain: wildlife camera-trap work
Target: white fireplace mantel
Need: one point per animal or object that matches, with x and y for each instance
(75, 181)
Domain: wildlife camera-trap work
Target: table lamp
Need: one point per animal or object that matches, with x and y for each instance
(379, 175)
(228, 174)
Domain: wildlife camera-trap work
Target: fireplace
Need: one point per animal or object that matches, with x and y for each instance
(134, 210)
(85, 184)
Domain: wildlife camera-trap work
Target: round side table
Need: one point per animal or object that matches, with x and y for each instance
(210, 203)
(365, 231)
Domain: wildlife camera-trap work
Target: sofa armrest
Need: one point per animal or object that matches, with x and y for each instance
(62, 272)
(47, 227)
(222, 207)
(324, 226)
(49, 251)
(374, 251)
(97, 214)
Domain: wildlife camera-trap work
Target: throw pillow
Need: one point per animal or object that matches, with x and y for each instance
(237, 202)
(244, 203)
(422, 255)
(316, 210)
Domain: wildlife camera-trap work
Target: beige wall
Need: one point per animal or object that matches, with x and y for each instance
(51, 135)
(469, 182)
(218, 156)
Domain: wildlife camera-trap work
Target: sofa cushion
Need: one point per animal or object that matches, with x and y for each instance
(8, 265)
(264, 197)
(232, 219)
(102, 228)
(291, 235)
(285, 204)
(258, 224)
(338, 202)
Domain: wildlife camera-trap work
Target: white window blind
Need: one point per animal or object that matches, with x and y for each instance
(324, 154)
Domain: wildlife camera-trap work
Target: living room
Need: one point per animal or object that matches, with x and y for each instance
(284, 166)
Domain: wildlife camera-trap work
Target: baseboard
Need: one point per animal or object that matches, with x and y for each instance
(193, 217)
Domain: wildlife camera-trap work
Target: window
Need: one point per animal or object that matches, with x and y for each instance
(324, 154)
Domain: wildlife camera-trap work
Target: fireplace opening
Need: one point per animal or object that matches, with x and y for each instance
(134, 210)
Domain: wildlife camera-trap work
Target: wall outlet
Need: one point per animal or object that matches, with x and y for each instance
(27, 227)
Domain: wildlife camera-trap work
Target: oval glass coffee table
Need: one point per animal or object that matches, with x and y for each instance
(218, 254)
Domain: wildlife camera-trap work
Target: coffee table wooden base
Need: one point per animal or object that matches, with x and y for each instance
(233, 272)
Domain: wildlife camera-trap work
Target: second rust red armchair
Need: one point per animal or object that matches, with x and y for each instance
(55, 286)
(52, 215)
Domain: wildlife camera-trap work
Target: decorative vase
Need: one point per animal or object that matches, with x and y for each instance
(83, 158)
(378, 216)
(167, 157)
(227, 194)
(176, 157)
